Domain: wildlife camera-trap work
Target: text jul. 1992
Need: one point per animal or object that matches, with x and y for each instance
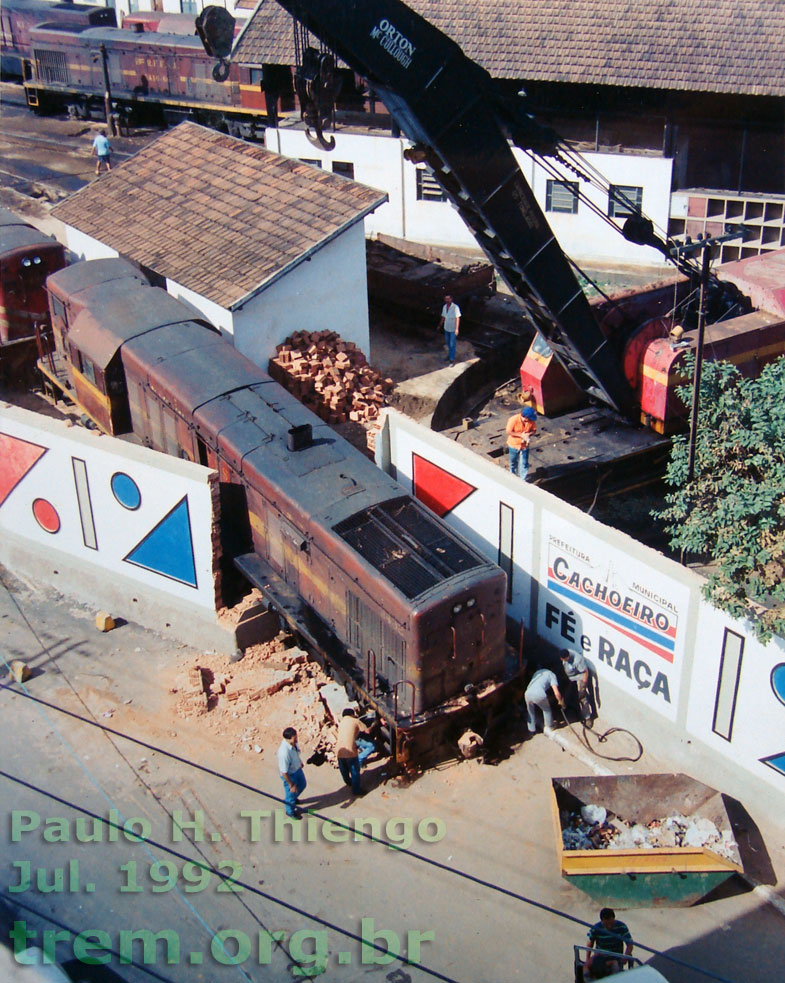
(133, 877)
(256, 824)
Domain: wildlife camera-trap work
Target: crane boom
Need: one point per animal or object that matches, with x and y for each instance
(461, 126)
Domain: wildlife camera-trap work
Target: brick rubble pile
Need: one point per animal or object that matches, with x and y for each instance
(248, 703)
(330, 376)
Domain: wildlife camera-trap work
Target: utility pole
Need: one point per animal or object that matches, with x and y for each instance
(705, 246)
(107, 92)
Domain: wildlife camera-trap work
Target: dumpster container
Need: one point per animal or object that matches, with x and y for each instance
(661, 869)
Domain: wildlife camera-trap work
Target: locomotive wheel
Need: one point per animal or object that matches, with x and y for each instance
(80, 108)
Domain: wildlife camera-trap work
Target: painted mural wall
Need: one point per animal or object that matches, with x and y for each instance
(638, 617)
(379, 163)
(125, 510)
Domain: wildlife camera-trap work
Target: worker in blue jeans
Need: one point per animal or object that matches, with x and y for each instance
(290, 766)
(520, 428)
(351, 749)
(450, 322)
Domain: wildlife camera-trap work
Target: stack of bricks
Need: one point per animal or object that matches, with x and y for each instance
(330, 376)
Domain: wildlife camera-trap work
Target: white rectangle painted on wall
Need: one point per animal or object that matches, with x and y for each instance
(737, 702)
(124, 509)
(628, 619)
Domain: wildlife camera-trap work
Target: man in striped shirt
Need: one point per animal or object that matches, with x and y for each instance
(608, 935)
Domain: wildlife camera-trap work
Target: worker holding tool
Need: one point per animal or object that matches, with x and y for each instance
(536, 695)
(577, 673)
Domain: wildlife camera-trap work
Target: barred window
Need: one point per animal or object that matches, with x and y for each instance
(562, 196)
(428, 188)
(630, 204)
(51, 66)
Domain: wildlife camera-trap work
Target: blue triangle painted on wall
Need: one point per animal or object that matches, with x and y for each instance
(775, 761)
(168, 547)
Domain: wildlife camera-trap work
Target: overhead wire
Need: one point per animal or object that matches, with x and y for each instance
(465, 875)
(86, 771)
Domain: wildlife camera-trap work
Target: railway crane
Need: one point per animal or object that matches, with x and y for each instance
(462, 126)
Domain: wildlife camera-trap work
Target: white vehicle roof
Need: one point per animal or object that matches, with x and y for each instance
(643, 974)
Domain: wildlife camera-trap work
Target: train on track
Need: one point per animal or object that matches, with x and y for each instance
(27, 257)
(403, 609)
(155, 68)
(19, 17)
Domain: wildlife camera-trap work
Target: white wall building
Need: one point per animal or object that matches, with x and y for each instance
(261, 245)
(417, 210)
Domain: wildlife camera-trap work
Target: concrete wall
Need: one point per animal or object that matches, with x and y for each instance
(671, 667)
(121, 527)
(378, 161)
(83, 246)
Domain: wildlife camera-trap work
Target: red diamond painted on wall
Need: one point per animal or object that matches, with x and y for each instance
(437, 488)
(17, 457)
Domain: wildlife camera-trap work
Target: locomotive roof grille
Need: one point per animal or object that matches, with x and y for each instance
(410, 547)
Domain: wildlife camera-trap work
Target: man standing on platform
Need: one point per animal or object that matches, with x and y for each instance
(451, 323)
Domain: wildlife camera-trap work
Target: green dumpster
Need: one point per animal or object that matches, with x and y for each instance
(647, 852)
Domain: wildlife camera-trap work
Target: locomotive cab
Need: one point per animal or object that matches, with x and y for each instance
(27, 257)
(86, 361)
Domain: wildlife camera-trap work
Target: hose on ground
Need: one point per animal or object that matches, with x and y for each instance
(602, 738)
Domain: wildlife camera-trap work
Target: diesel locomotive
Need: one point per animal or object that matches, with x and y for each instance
(19, 17)
(405, 610)
(27, 257)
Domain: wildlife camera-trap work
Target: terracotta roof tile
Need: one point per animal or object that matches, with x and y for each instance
(224, 235)
(722, 46)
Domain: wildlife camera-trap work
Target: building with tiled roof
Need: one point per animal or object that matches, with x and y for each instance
(261, 244)
(680, 102)
(733, 46)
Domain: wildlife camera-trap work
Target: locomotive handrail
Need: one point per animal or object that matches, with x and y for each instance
(369, 675)
(403, 682)
(454, 651)
(482, 636)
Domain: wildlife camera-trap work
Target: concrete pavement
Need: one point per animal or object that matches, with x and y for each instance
(477, 886)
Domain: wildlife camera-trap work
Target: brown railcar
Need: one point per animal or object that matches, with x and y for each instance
(27, 257)
(148, 72)
(19, 17)
(403, 608)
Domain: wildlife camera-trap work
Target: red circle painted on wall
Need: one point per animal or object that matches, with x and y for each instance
(46, 515)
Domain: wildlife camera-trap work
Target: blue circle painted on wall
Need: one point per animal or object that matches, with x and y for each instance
(126, 491)
(778, 681)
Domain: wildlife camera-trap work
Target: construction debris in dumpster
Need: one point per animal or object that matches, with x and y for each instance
(595, 828)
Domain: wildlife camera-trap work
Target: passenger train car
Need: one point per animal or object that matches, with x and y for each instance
(27, 257)
(402, 607)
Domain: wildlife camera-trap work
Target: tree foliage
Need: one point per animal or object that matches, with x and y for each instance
(733, 509)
